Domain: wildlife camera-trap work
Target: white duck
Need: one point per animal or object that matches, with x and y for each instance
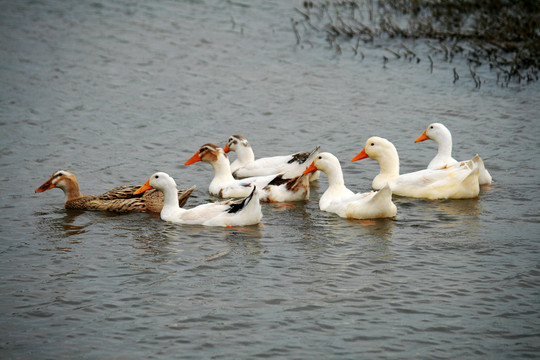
(442, 136)
(245, 164)
(457, 182)
(342, 201)
(242, 212)
(272, 188)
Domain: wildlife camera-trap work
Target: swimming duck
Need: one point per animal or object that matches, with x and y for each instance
(342, 201)
(240, 212)
(120, 199)
(273, 188)
(457, 182)
(245, 164)
(442, 136)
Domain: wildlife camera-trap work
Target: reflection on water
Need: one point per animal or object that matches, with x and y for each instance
(378, 228)
(59, 229)
(166, 241)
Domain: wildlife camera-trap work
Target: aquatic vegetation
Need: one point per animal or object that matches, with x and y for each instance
(502, 34)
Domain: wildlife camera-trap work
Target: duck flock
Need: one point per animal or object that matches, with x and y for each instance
(247, 181)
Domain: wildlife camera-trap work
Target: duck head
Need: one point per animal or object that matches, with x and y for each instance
(436, 132)
(376, 148)
(208, 153)
(62, 179)
(159, 181)
(324, 162)
(234, 142)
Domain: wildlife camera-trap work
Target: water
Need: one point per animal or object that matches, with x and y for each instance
(115, 91)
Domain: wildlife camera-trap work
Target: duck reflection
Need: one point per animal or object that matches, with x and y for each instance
(381, 229)
(198, 243)
(63, 226)
(60, 226)
(447, 220)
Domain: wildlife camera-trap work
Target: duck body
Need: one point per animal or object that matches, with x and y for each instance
(442, 136)
(456, 182)
(272, 188)
(342, 201)
(245, 164)
(120, 199)
(241, 212)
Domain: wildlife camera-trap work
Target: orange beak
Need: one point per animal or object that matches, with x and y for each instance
(143, 188)
(422, 137)
(46, 186)
(361, 155)
(311, 168)
(226, 148)
(193, 159)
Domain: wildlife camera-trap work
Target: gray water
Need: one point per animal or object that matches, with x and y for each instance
(116, 90)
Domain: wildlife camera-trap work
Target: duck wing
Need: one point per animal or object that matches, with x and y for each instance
(96, 202)
(298, 163)
(291, 165)
(262, 167)
(454, 182)
(236, 206)
(121, 192)
(206, 212)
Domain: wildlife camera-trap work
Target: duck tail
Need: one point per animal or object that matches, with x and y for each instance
(297, 167)
(237, 206)
(383, 194)
(183, 195)
(471, 180)
(379, 205)
(299, 183)
(484, 177)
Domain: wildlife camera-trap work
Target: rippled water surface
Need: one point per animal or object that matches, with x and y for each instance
(116, 90)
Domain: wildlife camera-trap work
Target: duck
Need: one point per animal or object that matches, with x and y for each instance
(238, 212)
(121, 199)
(340, 200)
(272, 188)
(442, 136)
(456, 182)
(245, 164)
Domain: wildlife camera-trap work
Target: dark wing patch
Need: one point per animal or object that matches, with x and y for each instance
(278, 180)
(299, 158)
(237, 206)
(290, 184)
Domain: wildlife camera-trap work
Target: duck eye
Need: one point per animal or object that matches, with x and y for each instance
(431, 127)
(372, 144)
(157, 176)
(320, 157)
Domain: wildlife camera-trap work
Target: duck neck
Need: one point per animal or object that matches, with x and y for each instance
(222, 169)
(170, 208)
(335, 179)
(170, 198)
(71, 189)
(445, 146)
(245, 154)
(389, 164)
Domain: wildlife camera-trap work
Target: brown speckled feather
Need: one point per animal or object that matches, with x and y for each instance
(122, 200)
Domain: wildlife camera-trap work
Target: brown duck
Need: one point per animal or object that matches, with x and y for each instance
(120, 199)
